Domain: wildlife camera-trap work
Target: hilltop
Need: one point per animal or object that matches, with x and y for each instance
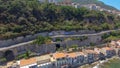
(97, 2)
(23, 17)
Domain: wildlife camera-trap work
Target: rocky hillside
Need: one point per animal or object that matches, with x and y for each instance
(23, 17)
(97, 2)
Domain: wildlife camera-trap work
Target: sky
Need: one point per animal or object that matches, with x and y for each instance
(114, 3)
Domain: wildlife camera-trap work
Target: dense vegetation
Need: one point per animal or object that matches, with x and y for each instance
(115, 35)
(23, 17)
(42, 40)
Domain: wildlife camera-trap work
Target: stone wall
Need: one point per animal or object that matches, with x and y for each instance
(45, 49)
(50, 48)
(91, 39)
(9, 42)
(41, 49)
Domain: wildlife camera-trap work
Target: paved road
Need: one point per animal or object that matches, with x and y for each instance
(16, 45)
(25, 43)
(102, 32)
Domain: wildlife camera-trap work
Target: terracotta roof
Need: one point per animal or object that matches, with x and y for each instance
(59, 55)
(72, 55)
(25, 62)
(107, 48)
(80, 53)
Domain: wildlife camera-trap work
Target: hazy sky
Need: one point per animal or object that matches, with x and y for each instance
(114, 3)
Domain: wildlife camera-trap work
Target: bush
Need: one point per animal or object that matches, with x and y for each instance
(42, 40)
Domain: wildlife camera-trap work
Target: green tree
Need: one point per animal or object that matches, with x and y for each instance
(74, 47)
(27, 54)
(24, 17)
(42, 40)
(92, 44)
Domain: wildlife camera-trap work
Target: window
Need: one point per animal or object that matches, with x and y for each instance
(35, 66)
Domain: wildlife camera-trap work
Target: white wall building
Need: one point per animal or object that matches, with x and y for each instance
(49, 1)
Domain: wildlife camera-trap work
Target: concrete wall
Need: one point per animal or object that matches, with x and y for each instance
(41, 49)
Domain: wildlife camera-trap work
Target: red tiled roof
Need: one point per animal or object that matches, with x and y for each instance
(72, 55)
(80, 53)
(25, 62)
(59, 55)
(107, 48)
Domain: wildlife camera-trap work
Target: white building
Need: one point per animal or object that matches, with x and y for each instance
(108, 52)
(75, 58)
(118, 42)
(92, 6)
(49, 1)
(52, 1)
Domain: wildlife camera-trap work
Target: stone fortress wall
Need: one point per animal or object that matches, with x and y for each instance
(50, 48)
(9, 42)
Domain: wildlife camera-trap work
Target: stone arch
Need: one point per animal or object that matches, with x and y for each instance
(9, 55)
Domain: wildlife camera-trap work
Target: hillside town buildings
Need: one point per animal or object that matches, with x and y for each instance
(77, 5)
(71, 59)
